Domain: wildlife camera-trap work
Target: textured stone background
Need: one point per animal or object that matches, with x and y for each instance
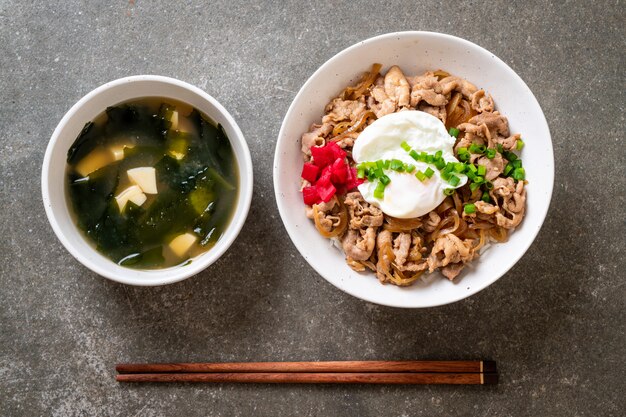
(555, 322)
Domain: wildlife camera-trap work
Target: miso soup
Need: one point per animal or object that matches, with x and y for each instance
(152, 183)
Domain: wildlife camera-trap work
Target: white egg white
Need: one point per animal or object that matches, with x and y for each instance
(405, 196)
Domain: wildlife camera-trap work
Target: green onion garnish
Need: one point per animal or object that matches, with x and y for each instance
(405, 146)
(440, 164)
(454, 132)
(397, 165)
(445, 175)
(519, 145)
(469, 208)
(409, 168)
(509, 156)
(482, 170)
(519, 174)
(479, 180)
(472, 168)
(459, 167)
(420, 176)
(429, 172)
(448, 191)
(474, 148)
(414, 155)
(438, 154)
(379, 191)
(474, 186)
(386, 163)
(488, 185)
(360, 172)
(454, 180)
(517, 163)
(491, 153)
(499, 148)
(507, 169)
(385, 179)
(486, 197)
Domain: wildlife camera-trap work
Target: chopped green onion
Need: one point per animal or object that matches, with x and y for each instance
(397, 165)
(454, 180)
(474, 148)
(499, 148)
(379, 164)
(409, 168)
(429, 159)
(438, 154)
(386, 164)
(464, 157)
(459, 167)
(510, 156)
(507, 169)
(445, 175)
(486, 197)
(379, 191)
(488, 185)
(448, 191)
(385, 179)
(378, 172)
(429, 172)
(482, 170)
(414, 155)
(519, 145)
(474, 186)
(360, 172)
(440, 164)
(517, 163)
(479, 180)
(469, 208)
(405, 146)
(519, 174)
(490, 154)
(449, 167)
(472, 167)
(420, 176)
(470, 175)
(454, 132)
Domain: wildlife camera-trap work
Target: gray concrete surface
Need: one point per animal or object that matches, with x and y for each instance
(554, 323)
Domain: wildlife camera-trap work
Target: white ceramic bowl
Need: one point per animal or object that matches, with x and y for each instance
(53, 182)
(415, 52)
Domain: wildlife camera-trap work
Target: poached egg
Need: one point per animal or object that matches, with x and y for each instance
(406, 196)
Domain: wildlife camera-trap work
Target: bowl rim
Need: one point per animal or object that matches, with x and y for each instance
(291, 230)
(146, 277)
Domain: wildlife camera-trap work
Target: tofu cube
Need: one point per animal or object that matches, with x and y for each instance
(145, 178)
(132, 193)
(181, 244)
(94, 160)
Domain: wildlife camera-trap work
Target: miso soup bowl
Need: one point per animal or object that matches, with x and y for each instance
(53, 183)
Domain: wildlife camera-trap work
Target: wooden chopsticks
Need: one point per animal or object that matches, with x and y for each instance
(334, 372)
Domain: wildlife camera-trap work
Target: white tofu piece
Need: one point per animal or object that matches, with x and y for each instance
(118, 151)
(94, 160)
(145, 178)
(174, 120)
(181, 244)
(132, 193)
(185, 125)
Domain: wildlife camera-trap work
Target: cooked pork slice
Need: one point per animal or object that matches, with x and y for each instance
(494, 166)
(451, 271)
(497, 124)
(430, 221)
(482, 102)
(449, 249)
(361, 213)
(453, 83)
(339, 110)
(401, 246)
(359, 244)
(397, 87)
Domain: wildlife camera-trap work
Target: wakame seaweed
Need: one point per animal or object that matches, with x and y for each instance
(192, 162)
